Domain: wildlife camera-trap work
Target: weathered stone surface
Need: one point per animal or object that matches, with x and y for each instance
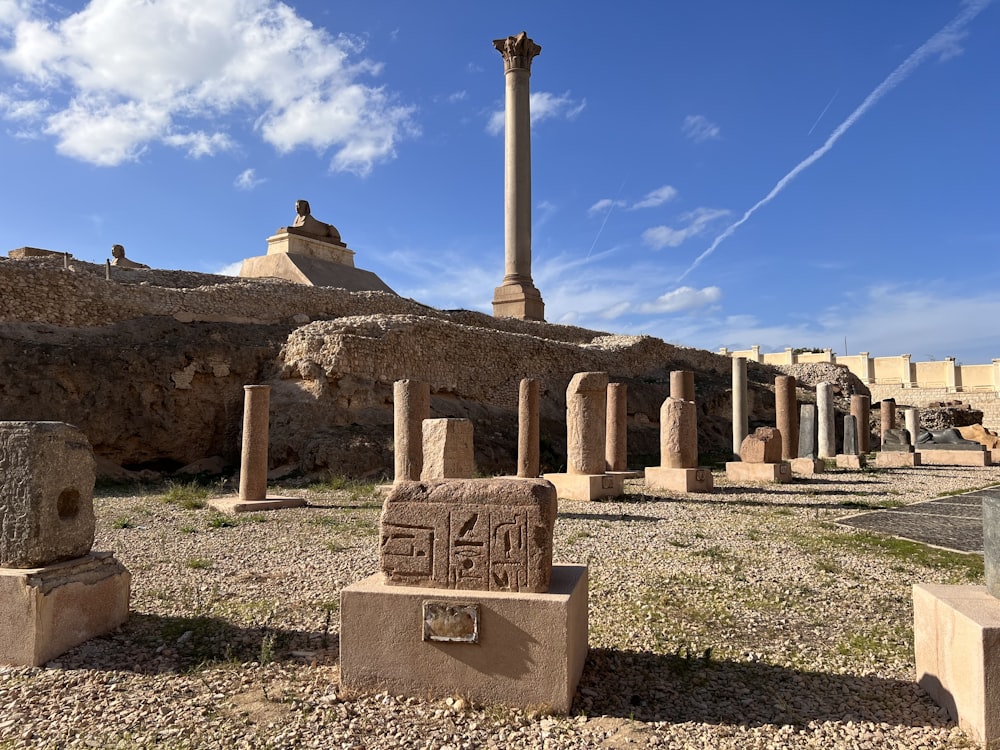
(861, 410)
(887, 416)
(981, 435)
(482, 534)
(46, 494)
(678, 434)
(586, 421)
(826, 433)
(991, 541)
(253, 457)
(786, 415)
(527, 429)
(850, 436)
(897, 439)
(740, 407)
(762, 447)
(807, 431)
(448, 449)
(949, 439)
(616, 430)
(682, 385)
(411, 401)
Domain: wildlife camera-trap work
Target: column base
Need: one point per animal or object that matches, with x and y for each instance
(896, 459)
(679, 480)
(955, 458)
(234, 504)
(587, 486)
(850, 461)
(527, 649)
(808, 466)
(741, 471)
(520, 300)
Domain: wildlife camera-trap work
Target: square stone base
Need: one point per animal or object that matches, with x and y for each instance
(284, 243)
(954, 458)
(808, 466)
(896, 459)
(741, 471)
(956, 632)
(679, 480)
(587, 486)
(46, 611)
(530, 652)
(233, 504)
(850, 461)
(521, 301)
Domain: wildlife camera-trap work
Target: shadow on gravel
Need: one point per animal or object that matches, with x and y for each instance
(655, 687)
(609, 517)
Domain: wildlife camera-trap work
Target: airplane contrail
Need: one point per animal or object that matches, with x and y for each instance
(823, 112)
(606, 217)
(895, 78)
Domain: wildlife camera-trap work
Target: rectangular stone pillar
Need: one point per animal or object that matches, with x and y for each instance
(411, 405)
(527, 429)
(448, 451)
(806, 463)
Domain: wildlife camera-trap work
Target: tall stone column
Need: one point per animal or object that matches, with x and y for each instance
(741, 421)
(253, 457)
(411, 405)
(860, 410)
(527, 429)
(827, 428)
(517, 297)
(786, 416)
(616, 430)
(888, 419)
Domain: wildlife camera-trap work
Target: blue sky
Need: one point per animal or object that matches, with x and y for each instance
(712, 173)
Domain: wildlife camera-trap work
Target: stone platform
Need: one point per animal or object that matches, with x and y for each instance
(851, 461)
(741, 471)
(896, 459)
(233, 504)
(808, 466)
(954, 458)
(679, 480)
(49, 610)
(587, 486)
(493, 647)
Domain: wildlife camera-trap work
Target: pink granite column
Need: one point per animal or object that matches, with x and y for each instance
(888, 419)
(678, 434)
(527, 429)
(786, 416)
(253, 458)
(411, 405)
(586, 422)
(860, 410)
(682, 385)
(616, 429)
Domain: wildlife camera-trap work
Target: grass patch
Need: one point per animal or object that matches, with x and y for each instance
(357, 491)
(353, 525)
(189, 496)
(123, 522)
(220, 521)
(576, 536)
(198, 563)
(952, 493)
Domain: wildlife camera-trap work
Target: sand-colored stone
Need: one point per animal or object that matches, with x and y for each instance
(253, 456)
(851, 461)
(911, 419)
(679, 480)
(616, 428)
(586, 487)
(954, 458)
(678, 434)
(806, 466)
(956, 633)
(483, 534)
(981, 435)
(531, 648)
(861, 410)
(741, 471)
(741, 413)
(586, 421)
(786, 415)
(682, 385)
(312, 271)
(896, 459)
(763, 446)
(46, 493)
(448, 449)
(527, 429)
(411, 405)
(49, 610)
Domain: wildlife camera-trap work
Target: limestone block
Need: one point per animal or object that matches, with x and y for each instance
(896, 459)
(483, 534)
(411, 405)
(682, 385)
(763, 446)
(448, 449)
(285, 243)
(741, 471)
(807, 466)
(46, 493)
(679, 480)
(851, 461)
(678, 434)
(586, 421)
(586, 487)
(954, 458)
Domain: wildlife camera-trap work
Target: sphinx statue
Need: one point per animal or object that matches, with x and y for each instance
(308, 226)
(120, 261)
(949, 439)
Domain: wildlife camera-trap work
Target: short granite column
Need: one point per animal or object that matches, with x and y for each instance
(827, 429)
(616, 428)
(888, 419)
(411, 405)
(860, 410)
(527, 429)
(682, 385)
(786, 416)
(912, 421)
(850, 457)
(805, 462)
(253, 457)
(741, 420)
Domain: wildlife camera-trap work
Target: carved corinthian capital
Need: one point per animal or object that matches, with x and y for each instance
(517, 51)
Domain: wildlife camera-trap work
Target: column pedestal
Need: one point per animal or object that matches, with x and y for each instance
(521, 301)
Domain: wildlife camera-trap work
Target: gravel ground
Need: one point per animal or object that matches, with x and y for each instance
(742, 619)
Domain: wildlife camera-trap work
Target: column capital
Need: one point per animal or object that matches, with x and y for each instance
(517, 51)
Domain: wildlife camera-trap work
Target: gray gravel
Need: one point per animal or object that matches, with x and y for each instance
(742, 619)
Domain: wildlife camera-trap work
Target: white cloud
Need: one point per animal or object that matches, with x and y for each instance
(683, 298)
(657, 197)
(544, 106)
(232, 269)
(120, 76)
(248, 179)
(697, 221)
(699, 129)
(457, 96)
(605, 204)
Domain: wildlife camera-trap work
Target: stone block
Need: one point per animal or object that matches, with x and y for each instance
(529, 650)
(518, 300)
(954, 458)
(284, 243)
(739, 471)
(851, 461)
(807, 466)
(956, 632)
(234, 504)
(587, 486)
(46, 611)
(46, 493)
(483, 534)
(763, 446)
(896, 459)
(448, 449)
(679, 480)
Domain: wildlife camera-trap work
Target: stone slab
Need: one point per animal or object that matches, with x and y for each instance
(46, 611)
(630, 474)
(956, 633)
(298, 244)
(851, 461)
(953, 458)
(679, 480)
(896, 459)
(233, 504)
(303, 269)
(587, 486)
(530, 652)
(740, 471)
(807, 466)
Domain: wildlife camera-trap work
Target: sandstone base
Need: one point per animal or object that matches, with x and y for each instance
(305, 269)
(284, 243)
(954, 458)
(851, 461)
(521, 301)
(956, 631)
(628, 474)
(741, 471)
(896, 459)
(679, 480)
(808, 466)
(233, 504)
(44, 612)
(530, 651)
(587, 486)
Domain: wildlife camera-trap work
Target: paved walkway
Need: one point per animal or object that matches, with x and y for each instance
(954, 522)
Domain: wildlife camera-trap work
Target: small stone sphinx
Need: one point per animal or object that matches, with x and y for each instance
(897, 439)
(308, 226)
(120, 261)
